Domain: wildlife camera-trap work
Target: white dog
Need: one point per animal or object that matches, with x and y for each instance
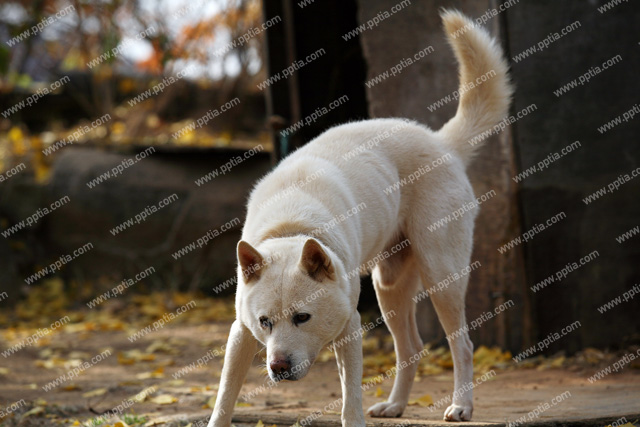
(303, 246)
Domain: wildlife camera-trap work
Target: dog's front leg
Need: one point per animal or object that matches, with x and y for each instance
(348, 348)
(239, 353)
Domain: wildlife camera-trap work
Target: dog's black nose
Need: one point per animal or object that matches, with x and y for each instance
(280, 367)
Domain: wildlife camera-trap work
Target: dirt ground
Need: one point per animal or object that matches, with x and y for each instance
(155, 360)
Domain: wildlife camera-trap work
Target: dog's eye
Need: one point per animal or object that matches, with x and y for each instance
(265, 322)
(301, 318)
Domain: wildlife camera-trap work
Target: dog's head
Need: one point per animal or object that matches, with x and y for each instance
(292, 296)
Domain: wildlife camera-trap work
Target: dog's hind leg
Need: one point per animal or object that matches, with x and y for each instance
(450, 252)
(449, 304)
(396, 281)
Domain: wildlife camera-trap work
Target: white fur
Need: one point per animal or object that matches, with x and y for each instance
(283, 219)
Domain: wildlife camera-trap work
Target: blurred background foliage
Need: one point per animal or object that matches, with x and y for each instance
(155, 41)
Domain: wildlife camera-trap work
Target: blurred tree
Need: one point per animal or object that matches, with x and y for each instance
(116, 49)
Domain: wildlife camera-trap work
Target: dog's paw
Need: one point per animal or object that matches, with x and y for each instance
(386, 410)
(458, 413)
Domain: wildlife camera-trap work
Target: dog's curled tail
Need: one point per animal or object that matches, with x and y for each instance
(484, 92)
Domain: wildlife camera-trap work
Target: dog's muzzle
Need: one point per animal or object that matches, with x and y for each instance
(281, 369)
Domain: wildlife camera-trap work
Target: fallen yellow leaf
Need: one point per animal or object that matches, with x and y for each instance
(164, 399)
(71, 387)
(259, 424)
(94, 393)
(243, 404)
(378, 379)
(158, 373)
(379, 392)
(422, 401)
(35, 411)
(211, 402)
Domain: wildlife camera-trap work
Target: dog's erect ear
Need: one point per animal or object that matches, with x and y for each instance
(250, 261)
(316, 262)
